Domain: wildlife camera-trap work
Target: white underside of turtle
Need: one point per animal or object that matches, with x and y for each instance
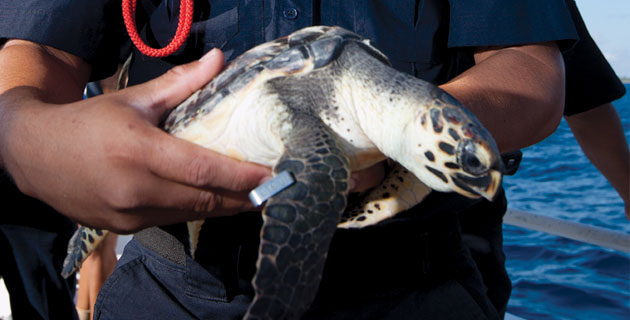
(321, 103)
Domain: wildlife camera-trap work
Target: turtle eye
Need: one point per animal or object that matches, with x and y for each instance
(468, 159)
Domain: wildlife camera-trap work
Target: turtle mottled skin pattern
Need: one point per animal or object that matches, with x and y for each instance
(299, 224)
(320, 104)
(82, 243)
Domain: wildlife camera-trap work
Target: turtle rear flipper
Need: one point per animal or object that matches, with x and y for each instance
(399, 191)
(82, 243)
(299, 223)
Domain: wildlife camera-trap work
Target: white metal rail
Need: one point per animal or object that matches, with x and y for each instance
(607, 238)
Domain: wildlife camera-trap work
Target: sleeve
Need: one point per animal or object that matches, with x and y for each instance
(590, 80)
(509, 22)
(92, 30)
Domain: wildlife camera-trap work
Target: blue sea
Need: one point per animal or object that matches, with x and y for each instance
(557, 278)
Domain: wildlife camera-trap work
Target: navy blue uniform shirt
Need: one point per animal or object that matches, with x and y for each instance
(427, 38)
(418, 36)
(431, 39)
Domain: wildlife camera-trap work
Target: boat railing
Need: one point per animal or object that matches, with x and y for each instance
(611, 239)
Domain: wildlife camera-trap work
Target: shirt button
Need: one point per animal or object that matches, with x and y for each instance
(290, 13)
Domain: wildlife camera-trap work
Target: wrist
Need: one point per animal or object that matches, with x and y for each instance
(15, 105)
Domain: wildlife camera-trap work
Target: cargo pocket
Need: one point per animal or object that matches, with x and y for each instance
(204, 284)
(447, 301)
(139, 272)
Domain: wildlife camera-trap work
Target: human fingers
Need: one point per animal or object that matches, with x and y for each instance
(161, 94)
(152, 201)
(186, 163)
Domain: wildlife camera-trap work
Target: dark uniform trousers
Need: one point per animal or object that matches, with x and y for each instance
(33, 244)
(407, 269)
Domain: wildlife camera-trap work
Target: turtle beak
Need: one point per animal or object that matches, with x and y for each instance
(482, 186)
(495, 181)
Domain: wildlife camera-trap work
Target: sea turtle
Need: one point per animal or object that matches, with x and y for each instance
(321, 103)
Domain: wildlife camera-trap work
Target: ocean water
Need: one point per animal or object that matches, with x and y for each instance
(557, 278)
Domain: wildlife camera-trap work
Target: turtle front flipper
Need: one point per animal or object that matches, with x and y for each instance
(299, 223)
(399, 191)
(82, 243)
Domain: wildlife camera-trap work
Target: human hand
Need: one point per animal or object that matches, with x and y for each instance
(104, 162)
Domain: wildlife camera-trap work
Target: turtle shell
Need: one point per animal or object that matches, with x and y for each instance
(298, 53)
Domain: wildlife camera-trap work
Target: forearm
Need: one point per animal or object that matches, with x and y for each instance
(58, 77)
(600, 134)
(516, 92)
(32, 77)
(103, 161)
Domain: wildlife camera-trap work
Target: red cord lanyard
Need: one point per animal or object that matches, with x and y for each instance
(183, 28)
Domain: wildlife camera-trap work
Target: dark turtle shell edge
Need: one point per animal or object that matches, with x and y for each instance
(313, 46)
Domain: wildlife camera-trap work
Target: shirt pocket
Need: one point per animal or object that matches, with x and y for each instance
(219, 22)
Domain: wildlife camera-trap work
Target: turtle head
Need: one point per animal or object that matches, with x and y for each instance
(452, 150)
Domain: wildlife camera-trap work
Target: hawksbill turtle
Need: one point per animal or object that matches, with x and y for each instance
(320, 103)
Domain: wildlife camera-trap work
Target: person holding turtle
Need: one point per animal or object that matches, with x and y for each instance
(104, 163)
(591, 84)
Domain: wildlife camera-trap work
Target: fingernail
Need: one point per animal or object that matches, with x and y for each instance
(211, 53)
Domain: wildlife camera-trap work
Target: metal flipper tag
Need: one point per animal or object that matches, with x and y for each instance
(270, 188)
